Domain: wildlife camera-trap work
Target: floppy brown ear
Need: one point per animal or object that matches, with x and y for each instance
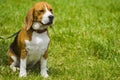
(29, 19)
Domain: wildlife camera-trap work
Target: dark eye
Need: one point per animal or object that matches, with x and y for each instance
(51, 10)
(41, 11)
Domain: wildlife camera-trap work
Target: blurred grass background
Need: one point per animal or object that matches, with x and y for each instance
(85, 45)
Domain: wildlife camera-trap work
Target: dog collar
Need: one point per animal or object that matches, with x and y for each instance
(40, 31)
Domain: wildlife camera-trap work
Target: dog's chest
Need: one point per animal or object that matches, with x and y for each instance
(37, 46)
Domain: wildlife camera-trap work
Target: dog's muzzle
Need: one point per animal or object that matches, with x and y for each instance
(51, 17)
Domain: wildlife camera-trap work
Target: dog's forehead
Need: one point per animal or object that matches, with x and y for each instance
(42, 5)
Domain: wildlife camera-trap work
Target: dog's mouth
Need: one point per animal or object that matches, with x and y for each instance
(48, 21)
(47, 24)
(40, 25)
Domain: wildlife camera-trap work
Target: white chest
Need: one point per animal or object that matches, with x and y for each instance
(37, 46)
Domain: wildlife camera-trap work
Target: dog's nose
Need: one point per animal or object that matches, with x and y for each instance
(51, 17)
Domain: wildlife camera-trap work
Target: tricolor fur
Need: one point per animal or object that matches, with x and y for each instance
(31, 43)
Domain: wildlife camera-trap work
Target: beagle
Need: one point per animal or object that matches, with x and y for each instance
(31, 43)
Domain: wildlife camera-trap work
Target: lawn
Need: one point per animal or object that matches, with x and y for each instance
(85, 42)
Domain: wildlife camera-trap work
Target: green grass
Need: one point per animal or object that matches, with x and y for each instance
(85, 45)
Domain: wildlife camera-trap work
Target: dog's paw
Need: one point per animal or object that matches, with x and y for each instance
(22, 74)
(44, 74)
(14, 68)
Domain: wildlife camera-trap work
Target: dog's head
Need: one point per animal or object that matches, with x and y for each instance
(39, 17)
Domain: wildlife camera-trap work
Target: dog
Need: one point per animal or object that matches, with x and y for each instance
(30, 45)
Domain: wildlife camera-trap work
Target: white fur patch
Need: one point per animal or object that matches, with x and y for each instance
(36, 47)
(14, 63)
(23, 72)
(38, 26)
(43, 68)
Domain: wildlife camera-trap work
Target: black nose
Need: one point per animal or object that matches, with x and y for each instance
(51, 17)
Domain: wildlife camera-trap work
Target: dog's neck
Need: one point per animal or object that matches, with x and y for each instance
(40, 31)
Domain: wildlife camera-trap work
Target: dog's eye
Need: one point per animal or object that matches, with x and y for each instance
(51, 10)
(41, 11)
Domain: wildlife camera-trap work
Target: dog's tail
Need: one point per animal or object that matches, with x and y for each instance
(10, 35)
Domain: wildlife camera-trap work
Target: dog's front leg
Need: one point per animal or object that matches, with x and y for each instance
(23, 63)
(43, 67)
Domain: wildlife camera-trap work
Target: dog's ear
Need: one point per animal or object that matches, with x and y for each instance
(29, 19)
